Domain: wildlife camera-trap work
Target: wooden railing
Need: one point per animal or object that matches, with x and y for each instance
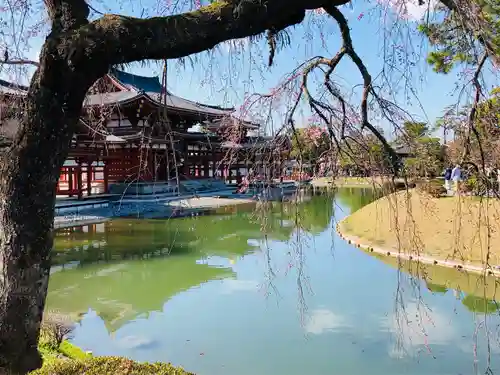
(81, 180)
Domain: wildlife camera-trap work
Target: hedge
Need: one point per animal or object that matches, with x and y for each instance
(107, 365)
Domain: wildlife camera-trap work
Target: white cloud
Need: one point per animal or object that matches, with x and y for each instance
(234, 285)
(410, 9)
(135, 342)
(416, 328)
(253, 242)
(324, 320)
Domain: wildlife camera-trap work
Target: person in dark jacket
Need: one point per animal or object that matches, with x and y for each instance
(447, 178)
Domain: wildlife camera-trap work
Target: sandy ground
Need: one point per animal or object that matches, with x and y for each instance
(465, 229)
(207, 202)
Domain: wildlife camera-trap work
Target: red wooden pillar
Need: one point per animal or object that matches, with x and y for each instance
(69, 171)
(105, 173)
(89, 177)
(79, 182)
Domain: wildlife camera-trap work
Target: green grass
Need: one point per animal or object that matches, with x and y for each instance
(458, 228)
(67, 359)
(71, 351)
(107, 365)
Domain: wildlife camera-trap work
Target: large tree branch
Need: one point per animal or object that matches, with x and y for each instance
(348, 49)
(116, 39)
(67, 14)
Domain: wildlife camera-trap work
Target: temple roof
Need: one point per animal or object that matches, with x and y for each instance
(133, 87)
(403, 149)
(138, 83)
(109, 98)
(150, 88)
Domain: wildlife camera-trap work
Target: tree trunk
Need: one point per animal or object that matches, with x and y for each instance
(29, 172)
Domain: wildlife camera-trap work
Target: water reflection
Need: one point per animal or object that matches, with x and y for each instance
(355, 198)
(478, 293)
(209, 306)
(127, 267)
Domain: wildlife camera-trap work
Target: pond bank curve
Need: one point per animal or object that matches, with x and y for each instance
(427, 227)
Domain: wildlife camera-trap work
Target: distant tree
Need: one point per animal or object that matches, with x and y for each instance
(452, 45)
(484, 142)
(365, 154)
(415, 130)
(426, 151)
(309, 144)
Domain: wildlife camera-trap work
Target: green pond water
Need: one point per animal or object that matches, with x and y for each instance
(268, 291)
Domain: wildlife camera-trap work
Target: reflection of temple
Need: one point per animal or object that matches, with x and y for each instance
(133, 130)
(120, 290)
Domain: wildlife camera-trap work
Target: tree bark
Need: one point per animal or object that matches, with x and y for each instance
(29, 172)
(28, 176)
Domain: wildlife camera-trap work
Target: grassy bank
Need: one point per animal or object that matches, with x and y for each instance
(464, 229)
(64, 358)
(348, 182)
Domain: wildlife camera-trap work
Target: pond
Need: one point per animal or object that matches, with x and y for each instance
(268, 291)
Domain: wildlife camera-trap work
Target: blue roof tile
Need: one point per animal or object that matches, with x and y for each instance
(139, 83)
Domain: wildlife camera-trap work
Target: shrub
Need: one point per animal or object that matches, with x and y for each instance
(397, 186)
(108, 365)
(474, 185)
(432, 188)
(52, 334)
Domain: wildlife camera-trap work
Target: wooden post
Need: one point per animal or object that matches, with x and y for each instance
(89, 177)
(206, 167)
(214, 163)
(185, 166)
(79, 182)
(105, 173)
(69, 171)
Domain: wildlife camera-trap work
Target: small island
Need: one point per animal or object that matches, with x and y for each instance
(459, 231)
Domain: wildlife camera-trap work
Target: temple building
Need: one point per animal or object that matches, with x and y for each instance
(134, 131)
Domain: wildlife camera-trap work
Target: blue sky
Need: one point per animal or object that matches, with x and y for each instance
(228, 74)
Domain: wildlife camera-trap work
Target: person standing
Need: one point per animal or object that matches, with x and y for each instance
(447, 178)
(456, 176)
(498, 180)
